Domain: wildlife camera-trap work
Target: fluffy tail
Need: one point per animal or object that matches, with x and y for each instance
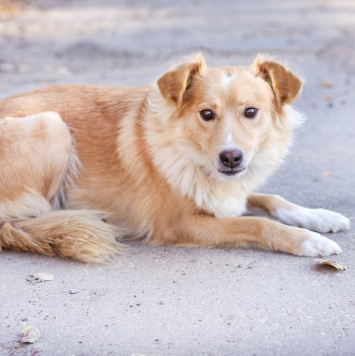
(77, 234)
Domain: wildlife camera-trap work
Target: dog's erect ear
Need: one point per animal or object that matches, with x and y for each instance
(174, 83)
(286, 86)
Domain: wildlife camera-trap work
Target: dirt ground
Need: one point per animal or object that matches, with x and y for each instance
(177, 301)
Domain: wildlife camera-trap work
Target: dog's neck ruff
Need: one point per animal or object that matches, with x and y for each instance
(214, 197)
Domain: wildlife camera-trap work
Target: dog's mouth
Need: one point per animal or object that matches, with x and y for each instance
(232, 171)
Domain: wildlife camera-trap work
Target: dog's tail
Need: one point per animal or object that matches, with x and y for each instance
(77, 234)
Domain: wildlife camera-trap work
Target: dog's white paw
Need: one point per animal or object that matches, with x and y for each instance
(319, 220)
(322, 220)
(318, 245)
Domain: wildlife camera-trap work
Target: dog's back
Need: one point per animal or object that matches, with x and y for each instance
(40, 163)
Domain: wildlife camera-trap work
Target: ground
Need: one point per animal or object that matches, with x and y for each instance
(177, 301)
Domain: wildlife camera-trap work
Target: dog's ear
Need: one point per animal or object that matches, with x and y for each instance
(174, 83)
(286, 86)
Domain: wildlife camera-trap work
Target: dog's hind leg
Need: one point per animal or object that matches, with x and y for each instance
(319, 220)
(38, 163)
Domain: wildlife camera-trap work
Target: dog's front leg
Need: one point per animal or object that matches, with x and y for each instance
(207, 231)
(319, 220)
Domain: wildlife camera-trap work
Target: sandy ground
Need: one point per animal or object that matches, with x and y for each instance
(176, 301)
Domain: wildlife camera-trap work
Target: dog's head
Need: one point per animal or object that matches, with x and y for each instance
(231, 116)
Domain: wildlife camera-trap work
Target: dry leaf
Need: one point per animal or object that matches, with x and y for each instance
(328, 97)
(30, 334)
(333, 264)
(328, 173)
(326, 84)
(39, 277)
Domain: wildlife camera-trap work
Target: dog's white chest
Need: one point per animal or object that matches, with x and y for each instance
(225, 208)
(217, 198)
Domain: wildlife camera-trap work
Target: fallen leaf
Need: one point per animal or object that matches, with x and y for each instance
(334, 264)
(39, 277)
(328, 173)
(326, 84)
(30, 334)
(328, 97)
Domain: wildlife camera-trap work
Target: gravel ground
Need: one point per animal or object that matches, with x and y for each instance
(177, 301)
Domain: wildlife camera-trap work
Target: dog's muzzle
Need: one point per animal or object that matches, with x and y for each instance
(230, 162)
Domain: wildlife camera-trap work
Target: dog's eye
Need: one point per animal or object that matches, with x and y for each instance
(207, 115)
(251, 113)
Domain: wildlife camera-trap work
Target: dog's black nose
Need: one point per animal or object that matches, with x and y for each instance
(231, 159)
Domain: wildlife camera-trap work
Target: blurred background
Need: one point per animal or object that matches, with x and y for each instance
(116, 41)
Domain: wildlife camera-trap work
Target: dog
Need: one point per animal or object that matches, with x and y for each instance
(83, 168)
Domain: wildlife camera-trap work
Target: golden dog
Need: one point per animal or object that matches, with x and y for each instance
(174, 163)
